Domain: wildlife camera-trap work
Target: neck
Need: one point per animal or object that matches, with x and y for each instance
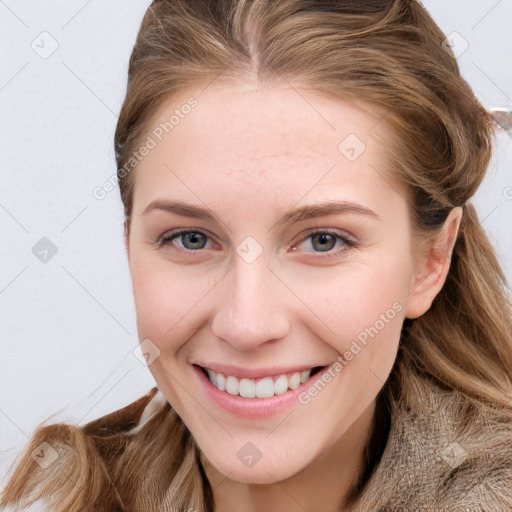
(325, 484)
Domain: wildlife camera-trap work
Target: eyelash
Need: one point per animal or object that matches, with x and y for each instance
(347, 241)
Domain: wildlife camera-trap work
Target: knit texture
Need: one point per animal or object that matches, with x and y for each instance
(443, 454)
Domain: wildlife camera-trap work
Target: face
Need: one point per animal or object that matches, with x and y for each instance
(271, 257)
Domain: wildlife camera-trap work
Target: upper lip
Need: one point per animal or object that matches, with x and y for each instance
(255, 373)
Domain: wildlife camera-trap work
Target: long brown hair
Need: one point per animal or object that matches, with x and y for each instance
(387, 55)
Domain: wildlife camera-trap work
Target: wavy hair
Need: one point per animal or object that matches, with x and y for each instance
(387, 56)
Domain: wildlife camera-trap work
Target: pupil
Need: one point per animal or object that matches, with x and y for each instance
(323, 238)
(193, 238)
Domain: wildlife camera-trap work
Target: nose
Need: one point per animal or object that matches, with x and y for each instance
(251, 310)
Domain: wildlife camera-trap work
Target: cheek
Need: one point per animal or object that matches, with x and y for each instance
(165, 298)
(361, 304)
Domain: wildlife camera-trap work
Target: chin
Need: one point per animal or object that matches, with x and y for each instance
(276, 461)
(261, 473)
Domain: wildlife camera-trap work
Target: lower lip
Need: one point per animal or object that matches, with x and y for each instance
(252, 407)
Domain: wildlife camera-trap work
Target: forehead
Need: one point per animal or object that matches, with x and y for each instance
(292, 140)
(271, 119)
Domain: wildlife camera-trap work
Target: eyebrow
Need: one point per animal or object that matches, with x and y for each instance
(295, 215)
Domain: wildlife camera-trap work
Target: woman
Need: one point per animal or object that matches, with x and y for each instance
(326, 321)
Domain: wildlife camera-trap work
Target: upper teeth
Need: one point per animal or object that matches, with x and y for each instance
(258, 388)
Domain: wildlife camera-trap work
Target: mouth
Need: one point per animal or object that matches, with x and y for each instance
(265, 387)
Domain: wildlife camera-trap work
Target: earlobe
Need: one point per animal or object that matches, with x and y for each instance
(433, 268)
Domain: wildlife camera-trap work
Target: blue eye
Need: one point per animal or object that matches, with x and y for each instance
(190, 240)
(322, 241)
(325, 241)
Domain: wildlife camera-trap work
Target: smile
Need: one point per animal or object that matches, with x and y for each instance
(265, 387)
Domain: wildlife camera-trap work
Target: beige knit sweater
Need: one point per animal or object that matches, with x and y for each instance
(435, 461)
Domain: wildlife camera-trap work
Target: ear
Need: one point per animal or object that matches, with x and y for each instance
(126, 236)
(432, 266)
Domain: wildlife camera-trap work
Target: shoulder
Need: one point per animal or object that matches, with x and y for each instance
(65, 463)
(127, 419)
(112, 432)
(444, 452)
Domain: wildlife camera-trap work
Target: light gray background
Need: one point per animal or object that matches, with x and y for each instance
(68, 325)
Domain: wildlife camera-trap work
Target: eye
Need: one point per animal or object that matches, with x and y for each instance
(322, 241)
(190, 239)
(325, 240)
